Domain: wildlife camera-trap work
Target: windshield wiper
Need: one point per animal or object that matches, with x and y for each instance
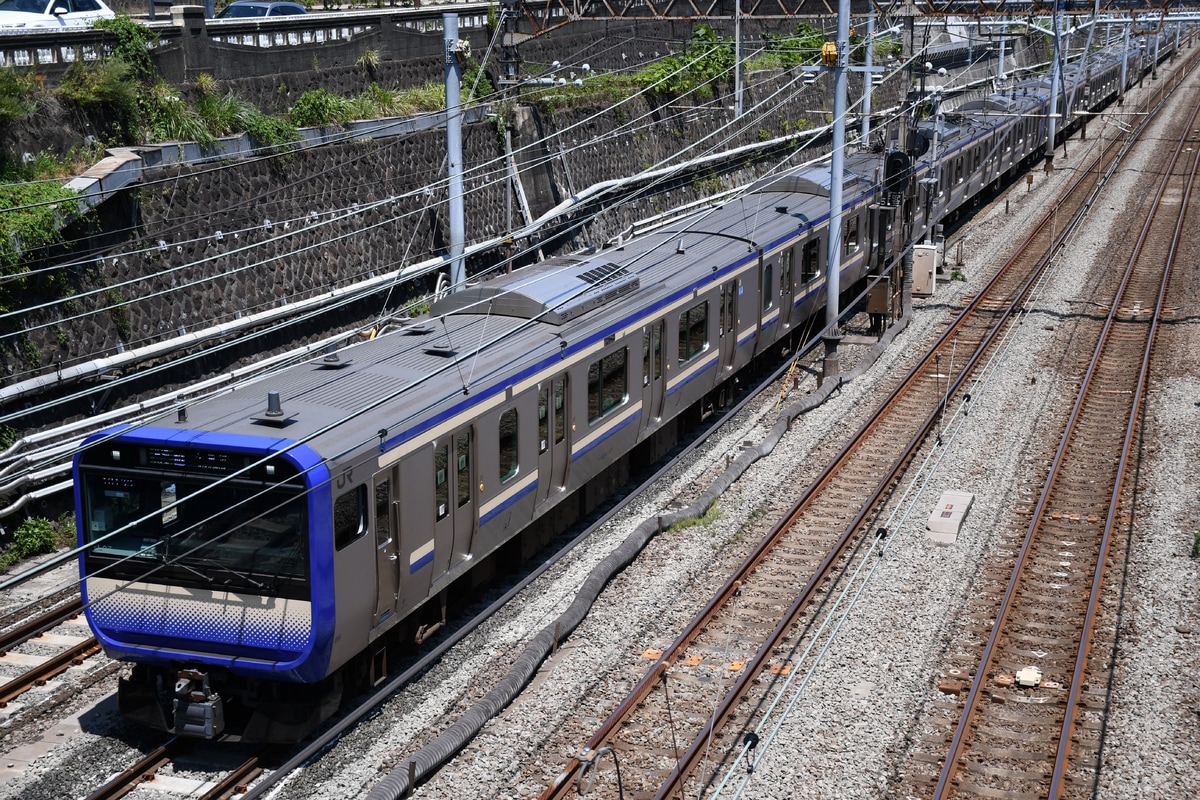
(206, 577)
(236, 573)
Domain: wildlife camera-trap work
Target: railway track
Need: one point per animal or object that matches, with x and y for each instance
(24, 647)
(680, 726)
(241, 769)
(1033, 709)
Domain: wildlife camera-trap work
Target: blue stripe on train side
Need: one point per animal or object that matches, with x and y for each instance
(507, 504)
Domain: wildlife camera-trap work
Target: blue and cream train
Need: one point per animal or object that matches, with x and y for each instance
(255, 559)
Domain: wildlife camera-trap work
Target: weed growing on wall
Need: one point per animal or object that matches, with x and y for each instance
(17, 101)
(32, 205)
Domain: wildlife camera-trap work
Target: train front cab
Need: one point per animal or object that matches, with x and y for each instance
(203, 562)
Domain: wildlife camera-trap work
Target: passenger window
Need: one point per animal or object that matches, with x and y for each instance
(383, 502)
(349, 517)
(646, 357)
(811, 268)
(441, 481)
(462, 451)
(785, 272)
(560, 407)
(693, 332)
(656, 336)
(543, 419)
(850, 237)
(508, 444)
(768, 287)
(607, 381)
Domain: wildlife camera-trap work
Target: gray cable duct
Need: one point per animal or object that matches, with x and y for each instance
(395, 784)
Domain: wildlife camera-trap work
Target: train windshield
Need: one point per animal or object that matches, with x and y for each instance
(178, 528)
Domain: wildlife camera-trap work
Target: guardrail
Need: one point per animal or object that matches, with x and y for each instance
(235, 48)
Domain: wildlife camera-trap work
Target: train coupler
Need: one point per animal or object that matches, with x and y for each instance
(199, 711)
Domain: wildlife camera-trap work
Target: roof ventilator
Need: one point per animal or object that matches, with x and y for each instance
(274, 414)
(332, 360)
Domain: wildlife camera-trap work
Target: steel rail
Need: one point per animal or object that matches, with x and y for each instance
(1060, 763)
(238, 780)
(142, 771)
(40, 624)
(958, 743)
(48, 669)
(733, 584)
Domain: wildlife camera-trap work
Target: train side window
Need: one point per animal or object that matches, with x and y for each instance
(383, 502)
(850, 236)
(645, 356)
(508, 445)
(462, 451)
(349, 516)
(543, 418)
(693, 332)
(607, 382)
(768, 290)
(810, 269)
(560, 409)
(441, 481)
(659, 331)
(785, 272)
(958, 170)
(652, 337)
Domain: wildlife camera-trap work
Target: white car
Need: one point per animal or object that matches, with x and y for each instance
(27, 14)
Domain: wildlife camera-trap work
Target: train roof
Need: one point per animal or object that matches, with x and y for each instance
(494, 333)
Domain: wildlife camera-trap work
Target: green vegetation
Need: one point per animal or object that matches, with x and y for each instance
(803, 47)
(369, 61)
(17, 99)
(791, 50)
(705, 61)
(712, 514)
(36, 535)
(32, 537)
(32, 207)
(322, 107)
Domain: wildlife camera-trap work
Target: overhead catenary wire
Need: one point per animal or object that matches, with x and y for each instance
(374, 405)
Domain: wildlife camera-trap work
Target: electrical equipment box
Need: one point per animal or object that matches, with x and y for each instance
(946, 519)
(879, 299)
(925, 264)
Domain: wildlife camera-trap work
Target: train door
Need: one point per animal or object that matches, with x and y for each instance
(652, 373)
(554, 446)
(812, 259)
(464, 499)
(454, 498)
(387, 556)
(787, 286)
(728, 322)
(443, 504)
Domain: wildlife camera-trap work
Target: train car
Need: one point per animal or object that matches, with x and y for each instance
(262, 554)
(252, 556)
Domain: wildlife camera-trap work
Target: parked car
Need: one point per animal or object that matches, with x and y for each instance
(51, 13)
(242, 9)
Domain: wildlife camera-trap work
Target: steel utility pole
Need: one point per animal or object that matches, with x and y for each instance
(833, 334)
(454, 157)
